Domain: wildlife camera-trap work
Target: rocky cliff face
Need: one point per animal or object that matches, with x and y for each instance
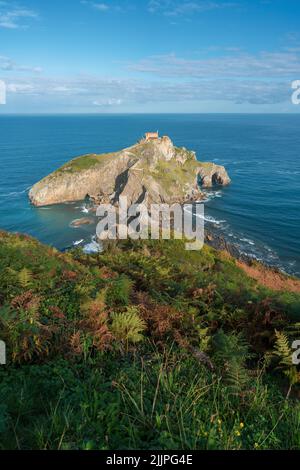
(154, 171)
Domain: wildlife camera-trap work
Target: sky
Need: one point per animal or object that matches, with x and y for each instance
(149, 56)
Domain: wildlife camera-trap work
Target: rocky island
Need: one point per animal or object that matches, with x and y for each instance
(151, 171)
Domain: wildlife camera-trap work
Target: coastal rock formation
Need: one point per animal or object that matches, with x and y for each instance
(82, 221)
(153, 171)
(211, 174)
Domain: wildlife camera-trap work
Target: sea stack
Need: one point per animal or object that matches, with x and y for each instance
(152, 171)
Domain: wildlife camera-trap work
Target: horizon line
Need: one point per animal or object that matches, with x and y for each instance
(287, 113)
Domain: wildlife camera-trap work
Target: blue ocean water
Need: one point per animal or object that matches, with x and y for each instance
(259, 211)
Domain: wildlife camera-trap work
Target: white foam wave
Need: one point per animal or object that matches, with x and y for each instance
(84, 210)
(212, 220)
(92, 247)
(207, 218)
(209, 195)
(78, 242)
(247, 240)
(14, 193)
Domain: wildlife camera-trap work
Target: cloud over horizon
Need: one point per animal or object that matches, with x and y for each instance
(101, 92)
(275, 65)
(116, 55)
(13, 16)
(8, 65)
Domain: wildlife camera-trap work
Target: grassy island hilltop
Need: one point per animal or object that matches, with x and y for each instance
(150, 171)
(145, 346)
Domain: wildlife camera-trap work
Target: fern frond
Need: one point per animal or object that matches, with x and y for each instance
(236, 377)
(230, 347)
(293, 375)
(282, 349)
(128, 326)
(25, 277)
(232, 352)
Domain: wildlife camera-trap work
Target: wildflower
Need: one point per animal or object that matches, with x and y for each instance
(237, 433)
(242, 425)
(256, 445)
(219, 422)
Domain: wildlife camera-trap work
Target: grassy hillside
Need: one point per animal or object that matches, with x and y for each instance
(85, 162)
(146, 346)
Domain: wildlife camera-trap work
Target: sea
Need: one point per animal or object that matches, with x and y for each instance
(259, 211)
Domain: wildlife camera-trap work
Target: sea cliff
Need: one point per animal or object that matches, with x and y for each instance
(149, 171)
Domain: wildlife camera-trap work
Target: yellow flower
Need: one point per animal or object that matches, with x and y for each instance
(242, 425)
(237, 433)
(256, 446)
(219, 421)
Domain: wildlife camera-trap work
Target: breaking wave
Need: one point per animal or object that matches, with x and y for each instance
(92, 247)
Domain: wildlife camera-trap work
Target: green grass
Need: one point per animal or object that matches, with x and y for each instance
(175, 177)
(85, 162)
(146, 346)
(162, 400)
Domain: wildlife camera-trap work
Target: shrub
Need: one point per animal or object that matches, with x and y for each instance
(118, 293)
(127, 327)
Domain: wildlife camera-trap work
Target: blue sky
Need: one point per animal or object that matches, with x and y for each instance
(115, 56)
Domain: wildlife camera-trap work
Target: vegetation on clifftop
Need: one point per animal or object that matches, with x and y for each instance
(154, 171)
(85, 162)
(145, 346)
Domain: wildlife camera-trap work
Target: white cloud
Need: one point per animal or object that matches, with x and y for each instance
(108, 102)
(97, 6)
(233, 76)
(101, 6)
(8, 65)
(107, 7)
(20, 88)
(273, 65)
(99, 92)
(186, 7)
(13, 16)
